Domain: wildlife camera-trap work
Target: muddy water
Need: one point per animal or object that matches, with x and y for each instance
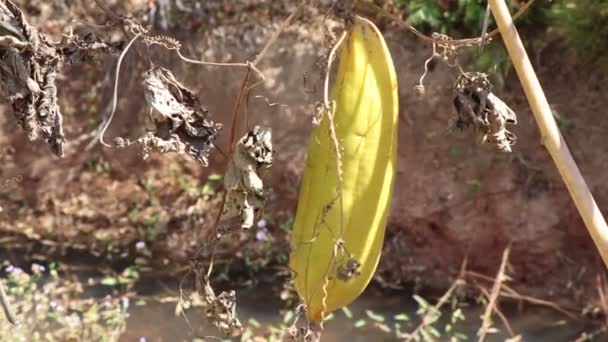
(157, 321)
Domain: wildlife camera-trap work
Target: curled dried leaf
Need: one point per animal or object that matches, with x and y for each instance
(348, 269)
(244, 186)
(221, 311)
(181, 122)
(477, 106)
(28, 76)
(308, 332)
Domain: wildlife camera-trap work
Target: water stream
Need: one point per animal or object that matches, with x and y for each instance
(157, 321)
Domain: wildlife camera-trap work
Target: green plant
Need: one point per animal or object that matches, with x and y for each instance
(583, 23)
(446, 16)
(465, 17)
(50, 309)
(126, 278)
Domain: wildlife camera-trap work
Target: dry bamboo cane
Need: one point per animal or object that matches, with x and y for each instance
(551, 137)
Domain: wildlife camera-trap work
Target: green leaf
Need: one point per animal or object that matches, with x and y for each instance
(247, 335)
(347, 312)
(457, 315)
(288, 316)
(109, 281)
(254, 322)
(215, 177)
(402, 317)
(434, 331)
(421, 301)
(460, 336)
(374, 316)
(360, 323)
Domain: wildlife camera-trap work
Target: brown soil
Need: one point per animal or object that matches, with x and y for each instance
(453, 198)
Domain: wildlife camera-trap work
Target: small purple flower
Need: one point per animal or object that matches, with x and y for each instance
(262, 223)
(262, 234)
(10, 269)
(140, 245)
(37, 268)
(142, 339)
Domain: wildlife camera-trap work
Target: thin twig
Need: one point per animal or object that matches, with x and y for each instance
(509, 292)
(494, 294)
(330, 60)
(484, 29)
(503, 318)
(220, 64)
(107, 10)
(440, 303)
(6, 306)
(217, 64)
(591, 336)
(277, 33)
(235, 111)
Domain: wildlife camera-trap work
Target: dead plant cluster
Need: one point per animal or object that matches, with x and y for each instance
(29, 66)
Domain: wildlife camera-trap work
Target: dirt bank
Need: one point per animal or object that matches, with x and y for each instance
(453, 198)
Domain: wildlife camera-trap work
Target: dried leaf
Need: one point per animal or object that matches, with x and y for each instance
(244, 186)
(28, 77)
(477, 106)
(181, 122)
(221, 311)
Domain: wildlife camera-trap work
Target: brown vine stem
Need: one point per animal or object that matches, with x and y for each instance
(242, 91)
(551, 137)
(494, 294)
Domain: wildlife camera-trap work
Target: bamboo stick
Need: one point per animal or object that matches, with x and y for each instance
(551, 137)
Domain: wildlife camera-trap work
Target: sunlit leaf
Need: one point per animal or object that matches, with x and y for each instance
(360, 323)
(254, 322)
(401, 317)
(374, 316)
(347, 312)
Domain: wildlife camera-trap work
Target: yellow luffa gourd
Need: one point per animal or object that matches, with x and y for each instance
(366, 114)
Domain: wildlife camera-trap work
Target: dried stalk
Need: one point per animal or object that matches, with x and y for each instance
(497, 311)
(508, 292)
(551, 137)
(6, 306)
(494, 294)
(440, 303)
